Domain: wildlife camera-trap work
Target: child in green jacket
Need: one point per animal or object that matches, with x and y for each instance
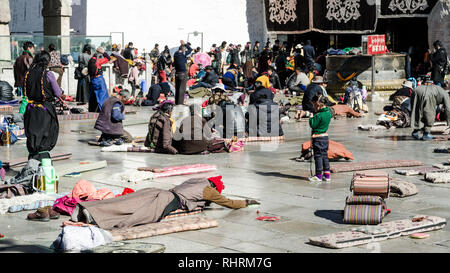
(320, 141)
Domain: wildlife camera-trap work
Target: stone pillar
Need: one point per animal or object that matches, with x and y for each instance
(57, 15)
(439, 24)
(5, 43)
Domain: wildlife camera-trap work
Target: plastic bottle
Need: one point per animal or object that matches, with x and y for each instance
(51, 179)
(364, 93)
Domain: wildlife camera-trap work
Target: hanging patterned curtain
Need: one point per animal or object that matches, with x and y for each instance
(406, 8)
(287, 16)
(349, 16)
(328, 16)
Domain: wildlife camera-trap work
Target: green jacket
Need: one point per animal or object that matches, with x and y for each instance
(321, 121)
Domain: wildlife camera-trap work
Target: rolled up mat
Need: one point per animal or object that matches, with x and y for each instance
(164, 227)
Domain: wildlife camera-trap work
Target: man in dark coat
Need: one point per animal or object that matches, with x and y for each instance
(310, 55)
(439, 63)
(180, 61)
(22, 65)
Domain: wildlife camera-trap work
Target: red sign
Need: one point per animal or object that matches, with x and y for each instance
(376, 44)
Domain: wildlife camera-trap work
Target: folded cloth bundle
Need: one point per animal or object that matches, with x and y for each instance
(402, 189)
(438, 178)
(371, 127)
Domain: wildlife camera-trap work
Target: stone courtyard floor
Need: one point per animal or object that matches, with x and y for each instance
(264, 172)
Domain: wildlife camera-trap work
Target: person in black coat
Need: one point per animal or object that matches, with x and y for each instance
(439, 63)
(209, 80)
(316, 87)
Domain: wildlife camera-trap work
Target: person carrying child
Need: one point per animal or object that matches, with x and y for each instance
(319, 124)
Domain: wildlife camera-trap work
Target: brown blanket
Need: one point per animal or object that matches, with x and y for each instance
(335, 151)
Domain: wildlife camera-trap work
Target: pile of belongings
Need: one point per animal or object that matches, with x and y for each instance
(394, 118)
(367, 205)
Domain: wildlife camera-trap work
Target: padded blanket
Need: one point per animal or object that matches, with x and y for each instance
(385, 231)
(423, 170)
(183, 213)
(373, 165)
(164, 227)
(26, 202)
(145, 173)
(437, 178)
(80, 167)
(85, 116)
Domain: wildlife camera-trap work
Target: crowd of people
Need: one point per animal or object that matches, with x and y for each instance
(239, 81)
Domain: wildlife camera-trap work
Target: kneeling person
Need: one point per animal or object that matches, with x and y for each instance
(109, 121)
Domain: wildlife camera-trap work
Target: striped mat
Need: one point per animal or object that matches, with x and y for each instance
(373, 165)
(6, 108)
(85, 116)
(183, 213)
(164, 227)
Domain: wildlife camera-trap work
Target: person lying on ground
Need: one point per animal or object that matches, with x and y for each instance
(109, 121)
(161, 129)
(152, 205)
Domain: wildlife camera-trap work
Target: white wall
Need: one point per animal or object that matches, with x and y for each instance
(166, 22)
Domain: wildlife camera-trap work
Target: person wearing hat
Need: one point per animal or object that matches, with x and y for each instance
(297, 82)
(299, 58)
(161, 129)
(425, 101)
(402, 98)
(209, 80)
(439, 63)
(109, 121)
(317, 86)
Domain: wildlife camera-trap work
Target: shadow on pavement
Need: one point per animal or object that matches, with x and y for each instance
(336, 216)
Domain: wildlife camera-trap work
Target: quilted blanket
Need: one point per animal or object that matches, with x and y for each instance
(372, 165)
(164, 227)
(385, 231)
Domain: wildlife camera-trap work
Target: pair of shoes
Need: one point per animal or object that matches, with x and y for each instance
(315, 179)
(416, 136)
(327, 177)
(427, 137)
(119, 142)
(43, 215)
(105, 143)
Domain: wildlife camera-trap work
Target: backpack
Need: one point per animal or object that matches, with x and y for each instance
(64, 60)
(355, 100)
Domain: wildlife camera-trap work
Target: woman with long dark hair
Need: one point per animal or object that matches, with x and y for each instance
(40, 119)
(82, 76)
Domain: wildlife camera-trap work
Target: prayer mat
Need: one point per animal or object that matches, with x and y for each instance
(373, 165)
(371, 127)
(21, 162)
(85, 116)
(185, 170)
(26, 202)
(164, 227)
(80, 167)
(129, 247)
(382, 232)
(422, 171)
(183, 213)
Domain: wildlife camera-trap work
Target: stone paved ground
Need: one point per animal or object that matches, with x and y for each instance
(263, 172)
